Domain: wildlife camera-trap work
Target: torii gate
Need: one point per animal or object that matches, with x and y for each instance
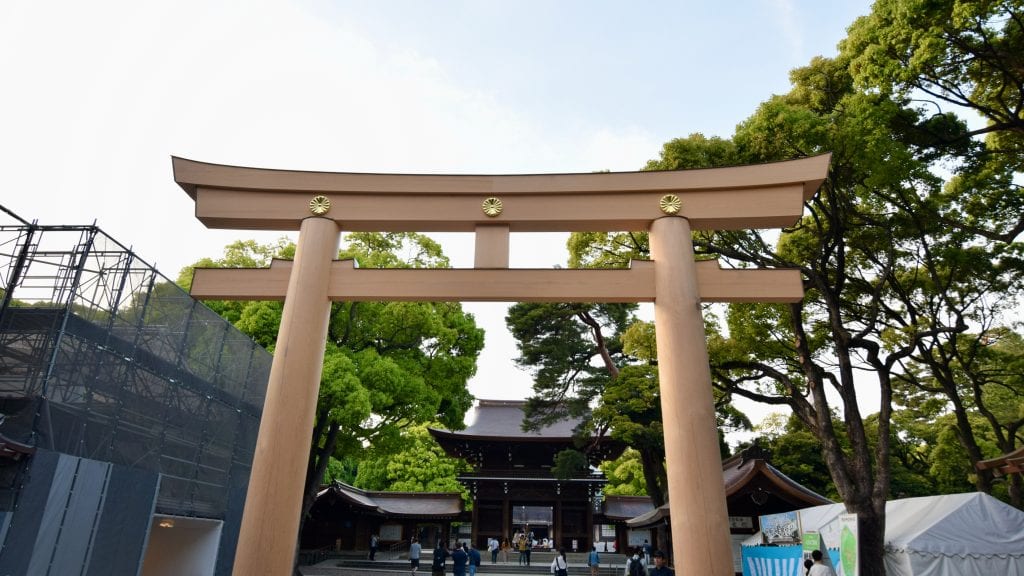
(667, 204)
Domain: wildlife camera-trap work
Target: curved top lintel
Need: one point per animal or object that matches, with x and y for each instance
(190, 174)
(755, 196)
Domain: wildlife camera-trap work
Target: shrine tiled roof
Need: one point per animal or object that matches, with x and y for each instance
(503, 419)
(739, 470)
(626, 507)
(396, 504)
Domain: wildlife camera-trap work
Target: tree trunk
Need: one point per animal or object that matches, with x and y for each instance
(655, 476)
(1015, 491)
(871, 542)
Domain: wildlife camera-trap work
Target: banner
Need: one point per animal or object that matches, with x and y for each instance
(849, 561)
(772, 561)
(782, 528)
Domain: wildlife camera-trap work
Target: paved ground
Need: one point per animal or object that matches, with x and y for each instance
(381, 568)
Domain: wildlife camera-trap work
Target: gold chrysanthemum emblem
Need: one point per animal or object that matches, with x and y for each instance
(670, 204)
(320, 205)
(492, 206)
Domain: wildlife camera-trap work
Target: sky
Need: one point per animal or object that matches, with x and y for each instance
(97, 96)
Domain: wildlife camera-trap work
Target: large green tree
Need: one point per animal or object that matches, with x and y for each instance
(972, 391)
(952, 60)
(420, 466)
(873, 260)
(388, 365)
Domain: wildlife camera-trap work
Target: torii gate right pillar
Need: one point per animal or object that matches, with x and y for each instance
(700, 529)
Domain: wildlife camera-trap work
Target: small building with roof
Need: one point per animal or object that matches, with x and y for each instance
(753, 488)
(344, 517)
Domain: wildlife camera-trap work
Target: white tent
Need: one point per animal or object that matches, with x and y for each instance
(954, 535)
(951, 535)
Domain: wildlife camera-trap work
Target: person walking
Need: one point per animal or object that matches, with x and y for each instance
(414, 555)
(492, 547)
(820, 568)
(635, 564)
(373, 545)
(506, 547)
(560, 566)
(474, 558)
(594, 561)
(440, 555)
(459, 560)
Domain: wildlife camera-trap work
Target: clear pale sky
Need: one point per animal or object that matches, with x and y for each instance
(97, 96)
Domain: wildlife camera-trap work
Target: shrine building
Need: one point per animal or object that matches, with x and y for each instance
(513, 491)
(512, 485)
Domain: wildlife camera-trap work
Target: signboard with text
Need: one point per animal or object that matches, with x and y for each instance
(849, 561)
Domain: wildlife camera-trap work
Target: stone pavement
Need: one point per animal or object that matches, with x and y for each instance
(342, 567)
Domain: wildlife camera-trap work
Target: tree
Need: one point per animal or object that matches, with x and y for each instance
(981, 379)
(388, 365)
(582, 371)
(420, 466)
(625, 475)
(949, 58)
(796, 452)
(967, 54)
(858, 234)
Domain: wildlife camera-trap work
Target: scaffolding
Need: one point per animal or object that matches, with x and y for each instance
(102, 357)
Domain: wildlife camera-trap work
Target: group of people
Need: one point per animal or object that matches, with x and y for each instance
(640, 563)
(465, 559)
(499, 549)
(816, 566)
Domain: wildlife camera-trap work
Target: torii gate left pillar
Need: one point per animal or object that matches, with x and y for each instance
(668, 204)
(282, 447)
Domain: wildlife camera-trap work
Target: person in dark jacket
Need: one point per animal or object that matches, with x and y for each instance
(440, 555)
(474, 559)
(459, 560)
(660, 565)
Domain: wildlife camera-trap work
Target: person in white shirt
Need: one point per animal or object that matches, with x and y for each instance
(560, 566)
(820, 568)
(492, 547)
(635, 564)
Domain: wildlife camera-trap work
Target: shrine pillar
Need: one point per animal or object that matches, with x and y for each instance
(700, 521)
(270, 520)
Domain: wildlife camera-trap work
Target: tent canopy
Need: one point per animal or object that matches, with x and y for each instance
(972, 524)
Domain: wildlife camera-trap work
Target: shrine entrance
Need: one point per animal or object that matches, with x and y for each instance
(536, 523)
(669, 205)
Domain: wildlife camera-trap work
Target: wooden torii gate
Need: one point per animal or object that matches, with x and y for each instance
(667, 204)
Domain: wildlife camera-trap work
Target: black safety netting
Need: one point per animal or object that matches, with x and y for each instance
(102, 357)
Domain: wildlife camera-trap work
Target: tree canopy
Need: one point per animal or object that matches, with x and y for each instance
(388, 366)
(909, 251)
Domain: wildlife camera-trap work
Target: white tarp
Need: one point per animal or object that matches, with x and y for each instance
(954, 535)
(950, 535)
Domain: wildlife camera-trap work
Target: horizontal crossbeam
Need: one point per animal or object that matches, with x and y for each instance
(635, 284)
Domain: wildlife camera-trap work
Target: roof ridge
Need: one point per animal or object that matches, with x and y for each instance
(495, 402)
